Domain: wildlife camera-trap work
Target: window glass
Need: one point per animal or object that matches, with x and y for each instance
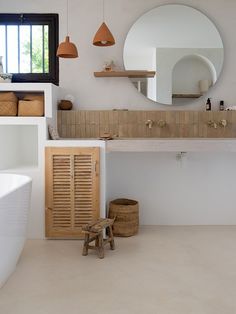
(28, 44)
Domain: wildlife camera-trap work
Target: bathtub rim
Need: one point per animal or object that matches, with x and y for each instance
(28, 180)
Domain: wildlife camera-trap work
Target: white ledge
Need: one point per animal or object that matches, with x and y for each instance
(171, 145)
(22, 120)
(75, 142)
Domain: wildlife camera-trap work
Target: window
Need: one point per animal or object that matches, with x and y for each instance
(28, 44)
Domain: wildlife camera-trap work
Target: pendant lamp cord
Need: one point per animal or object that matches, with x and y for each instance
(103, 10)
(67, 17)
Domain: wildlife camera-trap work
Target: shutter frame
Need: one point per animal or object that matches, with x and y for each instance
(84, 177)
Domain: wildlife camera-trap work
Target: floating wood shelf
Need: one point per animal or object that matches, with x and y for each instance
(186, 95)
(132, 74)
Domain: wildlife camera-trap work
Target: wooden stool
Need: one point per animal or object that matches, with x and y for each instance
(94, 232)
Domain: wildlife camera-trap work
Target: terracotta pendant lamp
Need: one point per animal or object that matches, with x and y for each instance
(67, 49)
(103, 37)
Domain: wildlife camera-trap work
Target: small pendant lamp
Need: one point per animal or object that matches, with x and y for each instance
(67, 49)
(103, 37)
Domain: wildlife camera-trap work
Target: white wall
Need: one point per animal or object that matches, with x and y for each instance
(200, 190)
(187, 73)
(8, 151)
(166, 60)
(142, 60)
(18, 146)
(167, 202)
(85, 18)
(165, 27)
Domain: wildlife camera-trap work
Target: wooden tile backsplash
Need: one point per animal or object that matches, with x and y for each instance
(178, 124)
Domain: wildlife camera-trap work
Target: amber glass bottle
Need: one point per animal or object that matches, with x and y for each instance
(208, 104)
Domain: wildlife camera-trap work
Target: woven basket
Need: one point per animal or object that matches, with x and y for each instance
(8, 96)
(8, 108)
(127, 217)
(33, 97)
(31, 108)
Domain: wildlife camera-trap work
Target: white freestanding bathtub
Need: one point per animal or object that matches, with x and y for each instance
(15, 193)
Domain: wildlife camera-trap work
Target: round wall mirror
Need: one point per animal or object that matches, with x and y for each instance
(179, 51)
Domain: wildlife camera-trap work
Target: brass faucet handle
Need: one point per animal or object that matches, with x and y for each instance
(161, 123)
(149, 123)
(223, 123)
(212, 124)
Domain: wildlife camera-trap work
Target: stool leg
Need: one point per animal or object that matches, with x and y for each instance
(112, 242)
(97, 242)
(86, 243)
(101, 246)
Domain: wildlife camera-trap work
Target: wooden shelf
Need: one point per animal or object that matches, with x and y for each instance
(186, 95)
(131, 74)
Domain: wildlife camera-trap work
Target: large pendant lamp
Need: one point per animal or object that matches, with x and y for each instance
(67, 49)
(103, 37)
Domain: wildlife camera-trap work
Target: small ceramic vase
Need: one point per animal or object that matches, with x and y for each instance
(108, 65)
(65, 105)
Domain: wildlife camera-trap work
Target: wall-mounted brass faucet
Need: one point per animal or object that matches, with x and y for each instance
(213, 124)
(223, 123)
(149, 123)
(161, 123)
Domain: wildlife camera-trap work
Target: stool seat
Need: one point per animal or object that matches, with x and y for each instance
(94, 232)
(99, 225)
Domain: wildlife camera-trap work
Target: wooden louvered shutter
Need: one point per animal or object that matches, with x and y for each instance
(72, 190)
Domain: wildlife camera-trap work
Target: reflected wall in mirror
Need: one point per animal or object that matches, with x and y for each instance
(184, 48)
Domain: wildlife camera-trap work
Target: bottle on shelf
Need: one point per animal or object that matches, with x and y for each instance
(222, 105)
(208, 104)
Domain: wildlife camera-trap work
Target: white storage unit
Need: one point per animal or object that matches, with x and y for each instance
(22, 142)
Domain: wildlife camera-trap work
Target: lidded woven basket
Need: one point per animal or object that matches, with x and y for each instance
(8, 104)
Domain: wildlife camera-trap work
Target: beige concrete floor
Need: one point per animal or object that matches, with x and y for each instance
(174, 270)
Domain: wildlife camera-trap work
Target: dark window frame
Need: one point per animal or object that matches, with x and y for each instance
(52, 21)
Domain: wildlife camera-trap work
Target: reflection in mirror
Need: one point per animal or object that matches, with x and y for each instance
(184, 48)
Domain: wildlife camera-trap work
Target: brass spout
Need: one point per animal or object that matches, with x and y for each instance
(161, 123)
(149, 123)
(223, 123)
(212, 124)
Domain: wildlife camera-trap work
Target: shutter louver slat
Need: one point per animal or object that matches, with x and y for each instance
(61, 192)
(83, 190)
